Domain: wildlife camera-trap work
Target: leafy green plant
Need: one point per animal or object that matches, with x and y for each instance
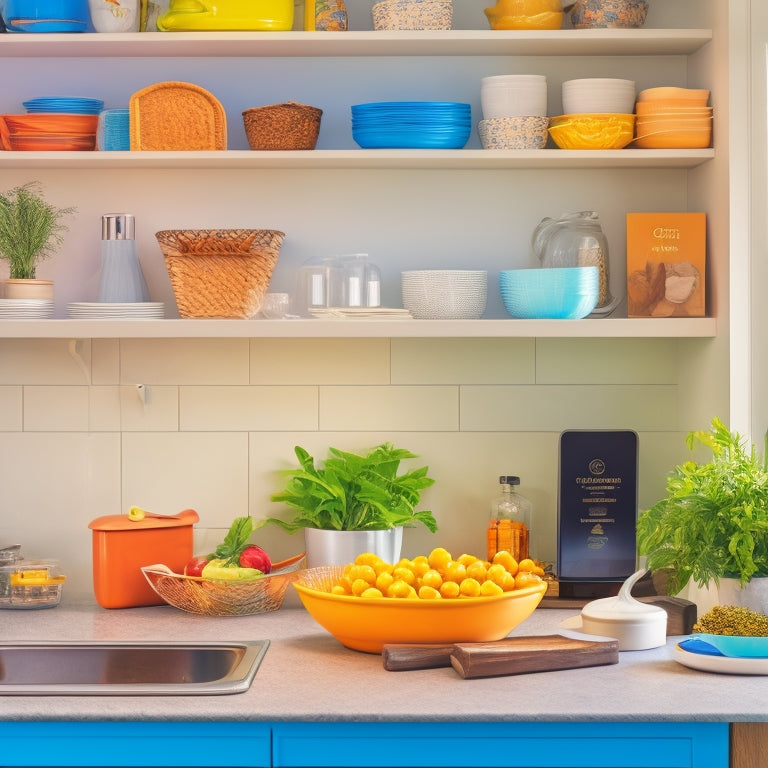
(30, 229)
(713, 523)
(353, 493)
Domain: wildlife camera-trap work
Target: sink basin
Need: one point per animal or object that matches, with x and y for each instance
(128, 668)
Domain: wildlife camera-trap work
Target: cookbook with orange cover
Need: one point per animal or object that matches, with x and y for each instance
(666, 262)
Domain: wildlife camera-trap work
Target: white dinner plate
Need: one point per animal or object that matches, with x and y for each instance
(696, 654)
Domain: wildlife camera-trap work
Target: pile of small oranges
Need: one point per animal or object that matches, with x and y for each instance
(436, 576)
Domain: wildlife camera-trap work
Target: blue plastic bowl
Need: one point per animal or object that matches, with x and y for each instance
(558, 293)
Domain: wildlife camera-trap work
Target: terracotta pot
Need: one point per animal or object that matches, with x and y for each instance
(28, 289)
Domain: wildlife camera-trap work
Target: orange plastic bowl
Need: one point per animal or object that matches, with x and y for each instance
(366, 624)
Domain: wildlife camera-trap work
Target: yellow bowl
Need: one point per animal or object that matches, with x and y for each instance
(592, 131)
(366, 624)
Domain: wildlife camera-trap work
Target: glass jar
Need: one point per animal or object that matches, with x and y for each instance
(510, 524)
(576, 240)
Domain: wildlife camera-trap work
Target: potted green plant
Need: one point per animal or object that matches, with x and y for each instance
(353, 503)
(711, 530)
(30, 230)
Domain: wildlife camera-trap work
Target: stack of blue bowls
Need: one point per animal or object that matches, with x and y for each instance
(72, 105)
(411, 125)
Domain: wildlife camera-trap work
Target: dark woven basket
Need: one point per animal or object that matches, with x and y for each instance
(282, 126)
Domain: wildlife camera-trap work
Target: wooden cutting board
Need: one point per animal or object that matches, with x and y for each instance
(511, 656)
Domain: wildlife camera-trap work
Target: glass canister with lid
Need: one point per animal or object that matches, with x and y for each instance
(576, 240)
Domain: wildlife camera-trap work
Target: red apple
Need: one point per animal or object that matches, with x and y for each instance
(255, 557)
(195, 566)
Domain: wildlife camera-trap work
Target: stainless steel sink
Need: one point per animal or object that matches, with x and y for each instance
(128, 668)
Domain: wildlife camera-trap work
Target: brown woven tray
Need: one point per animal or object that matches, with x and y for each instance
(220, 273)
(175, 116)
(224, 598)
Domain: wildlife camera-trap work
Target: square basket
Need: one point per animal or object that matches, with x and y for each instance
(220, 273)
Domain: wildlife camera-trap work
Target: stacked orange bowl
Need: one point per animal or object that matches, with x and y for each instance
(673, 118)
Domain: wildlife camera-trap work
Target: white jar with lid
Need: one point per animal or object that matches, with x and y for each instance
(122, 280)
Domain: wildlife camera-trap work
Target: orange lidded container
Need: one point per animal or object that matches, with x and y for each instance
(121, 547)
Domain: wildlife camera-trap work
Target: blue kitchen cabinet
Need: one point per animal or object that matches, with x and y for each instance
(135, 743)
(364, 745)
(500, 745)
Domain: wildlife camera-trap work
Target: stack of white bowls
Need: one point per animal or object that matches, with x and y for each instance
(598, 95)
(514, 112)
(445, 294)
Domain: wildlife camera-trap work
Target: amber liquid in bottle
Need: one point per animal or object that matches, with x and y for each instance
(508, 528)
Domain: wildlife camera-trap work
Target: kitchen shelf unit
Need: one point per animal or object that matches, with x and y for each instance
(453, 43)
(317, 328)
(592, 42)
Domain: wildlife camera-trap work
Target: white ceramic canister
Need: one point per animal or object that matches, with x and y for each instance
(121, 277)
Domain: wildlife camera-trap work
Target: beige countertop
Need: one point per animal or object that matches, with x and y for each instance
(307, 675)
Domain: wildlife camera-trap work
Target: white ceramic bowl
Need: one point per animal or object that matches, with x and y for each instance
(513, 132)
(513, 96)
(598, 95)
(445, 294)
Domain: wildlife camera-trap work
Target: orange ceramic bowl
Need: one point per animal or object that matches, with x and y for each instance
(366, 624)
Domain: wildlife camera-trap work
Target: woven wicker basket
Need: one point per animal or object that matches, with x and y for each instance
(224, 598)
(220, 272)
(282, 126)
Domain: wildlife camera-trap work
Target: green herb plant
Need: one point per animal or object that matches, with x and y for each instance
(713, 523)
(351, 492)
(30, 229)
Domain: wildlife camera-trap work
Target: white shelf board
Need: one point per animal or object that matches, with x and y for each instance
(456, 159)
(316, 328)
(569, 42)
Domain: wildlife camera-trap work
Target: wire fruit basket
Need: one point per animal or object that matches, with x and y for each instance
(224, 598)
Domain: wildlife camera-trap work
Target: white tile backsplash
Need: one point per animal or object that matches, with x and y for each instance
(320, 361)
(11, 409)
(247, 408)
(184, 361)
(56, 409)
(555, 408)
(53, 485)
(395, 408)
(463, 361)
(166, 472)
(216, 421)
(149, 408)
(44, 361)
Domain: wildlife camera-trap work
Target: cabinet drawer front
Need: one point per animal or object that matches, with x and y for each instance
(500, 745)
(135, 744)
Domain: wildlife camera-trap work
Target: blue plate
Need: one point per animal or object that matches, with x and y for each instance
(736, 647)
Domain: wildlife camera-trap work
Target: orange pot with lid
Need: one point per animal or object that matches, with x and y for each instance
(121, 546)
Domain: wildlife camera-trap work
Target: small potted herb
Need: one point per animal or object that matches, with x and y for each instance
(359, 500)
(713, 524)
(30, 231)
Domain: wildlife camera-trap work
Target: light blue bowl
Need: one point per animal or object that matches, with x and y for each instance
(558, 293)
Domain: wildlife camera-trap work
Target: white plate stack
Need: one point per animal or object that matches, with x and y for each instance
(513, 96)
(104, 310)
(26, 309)
(598, 95)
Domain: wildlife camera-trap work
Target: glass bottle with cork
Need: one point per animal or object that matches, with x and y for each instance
(509, 528)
